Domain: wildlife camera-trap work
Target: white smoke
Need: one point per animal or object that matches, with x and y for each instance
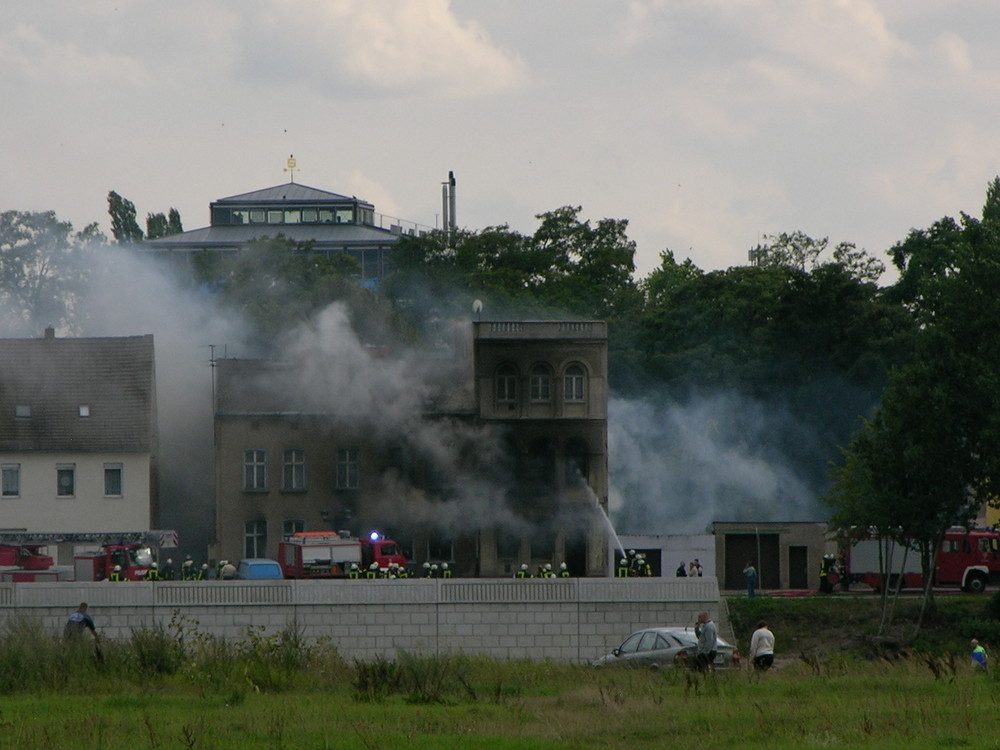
(675, 469)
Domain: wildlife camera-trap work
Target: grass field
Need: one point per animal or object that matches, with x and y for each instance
(176, 688)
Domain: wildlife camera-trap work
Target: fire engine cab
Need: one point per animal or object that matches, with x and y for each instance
(967, 558)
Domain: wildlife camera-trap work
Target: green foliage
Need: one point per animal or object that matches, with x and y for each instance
(43, 270)
(567, 267)
(124, 227)
(277, 285)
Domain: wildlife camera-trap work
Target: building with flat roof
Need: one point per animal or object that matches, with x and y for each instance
(500, 460)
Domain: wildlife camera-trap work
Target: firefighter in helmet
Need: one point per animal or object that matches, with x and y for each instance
(522, 572)
(153, 574)
(622, 570)
(354, 572)
(116, 574)
(563, 570)
(372, 571)
(445, 570)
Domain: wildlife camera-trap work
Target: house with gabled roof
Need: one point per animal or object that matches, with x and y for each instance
(78, 434)
(332, 223)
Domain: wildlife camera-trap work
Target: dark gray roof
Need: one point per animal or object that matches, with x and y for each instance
(291, 192)
(324, 235)
(53, 377)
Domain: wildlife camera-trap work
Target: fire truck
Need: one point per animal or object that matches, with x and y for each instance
(22, 560)
(967, 558)
(329, 554)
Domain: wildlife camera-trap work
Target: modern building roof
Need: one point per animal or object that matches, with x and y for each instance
(291, 192)
(77, 395)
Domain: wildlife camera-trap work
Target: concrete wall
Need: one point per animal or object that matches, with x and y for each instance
(574, 619)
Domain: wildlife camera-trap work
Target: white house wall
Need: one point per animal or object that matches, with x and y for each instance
(39, 508)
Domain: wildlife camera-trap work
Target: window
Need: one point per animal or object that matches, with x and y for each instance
(293, 470)
(112, 480)
(292, 526)
(11, 480)
(574, 383)
(347, 469)
(506, 383)
(440, 547)
(540, 383)
(66, 480)
(255, 538)
(254, 470)
(83, 411)
(22, 411)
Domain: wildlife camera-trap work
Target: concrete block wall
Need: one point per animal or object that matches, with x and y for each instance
(574, 620)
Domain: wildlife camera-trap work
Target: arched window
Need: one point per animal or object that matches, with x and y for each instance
(540, 382)
(574, 380)
(506, 379)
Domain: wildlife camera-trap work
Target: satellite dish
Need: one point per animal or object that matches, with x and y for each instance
(477, 306)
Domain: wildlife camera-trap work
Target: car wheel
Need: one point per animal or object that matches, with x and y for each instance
(976, 584)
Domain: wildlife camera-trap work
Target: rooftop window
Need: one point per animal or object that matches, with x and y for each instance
(334, 214)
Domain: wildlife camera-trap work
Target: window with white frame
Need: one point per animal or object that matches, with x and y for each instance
(540, 383)
(112, 480)
(255, 538)
(254, 470)
(11, 474)
(506, 379)
(574, 380)
(347, 469)
(293, 470)
(65, 480)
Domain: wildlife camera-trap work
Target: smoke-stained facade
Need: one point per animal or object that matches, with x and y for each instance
(487, 457)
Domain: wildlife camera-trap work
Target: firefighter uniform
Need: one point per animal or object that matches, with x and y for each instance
(522, 572)
(116, 574)
(445, 570)
(354, 573)
(372, 572)
(563, 570)
(622, 571)
(153, 574)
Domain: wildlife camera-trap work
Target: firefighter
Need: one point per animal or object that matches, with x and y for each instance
(548, 572)
(153, 574)
(168, 571)
(563, 570)
(522, 572)
(622, 571)
(434, 570)
(372, 572)
(643, 568)
(401, 571)
(116, 574)
(354, 573)
(201, 573)
(427, 570)
(187, 569)
(445, 570)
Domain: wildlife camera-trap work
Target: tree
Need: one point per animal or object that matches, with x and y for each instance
(124, 227)
(158, 225)
(567, 267)
(43, 270)
(277, 284)
(931, 455)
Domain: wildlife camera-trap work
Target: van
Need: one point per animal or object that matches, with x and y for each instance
(259, 569)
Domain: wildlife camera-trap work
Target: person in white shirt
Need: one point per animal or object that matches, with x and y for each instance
(762, 647)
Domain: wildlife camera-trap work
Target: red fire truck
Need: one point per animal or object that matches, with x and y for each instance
(329, 554)
(21, 559)
(969, 559)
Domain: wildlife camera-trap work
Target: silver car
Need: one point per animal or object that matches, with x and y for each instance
(665, 647)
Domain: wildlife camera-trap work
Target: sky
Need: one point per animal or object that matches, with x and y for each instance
(707, 124)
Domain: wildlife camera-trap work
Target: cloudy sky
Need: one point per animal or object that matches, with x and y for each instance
(705, 123)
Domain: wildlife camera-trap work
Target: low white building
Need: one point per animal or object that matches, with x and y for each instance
(77, 434)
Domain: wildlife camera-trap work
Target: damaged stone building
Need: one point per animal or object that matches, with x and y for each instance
(490, 456)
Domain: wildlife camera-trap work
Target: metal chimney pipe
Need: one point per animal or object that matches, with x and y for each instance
(451, 201)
